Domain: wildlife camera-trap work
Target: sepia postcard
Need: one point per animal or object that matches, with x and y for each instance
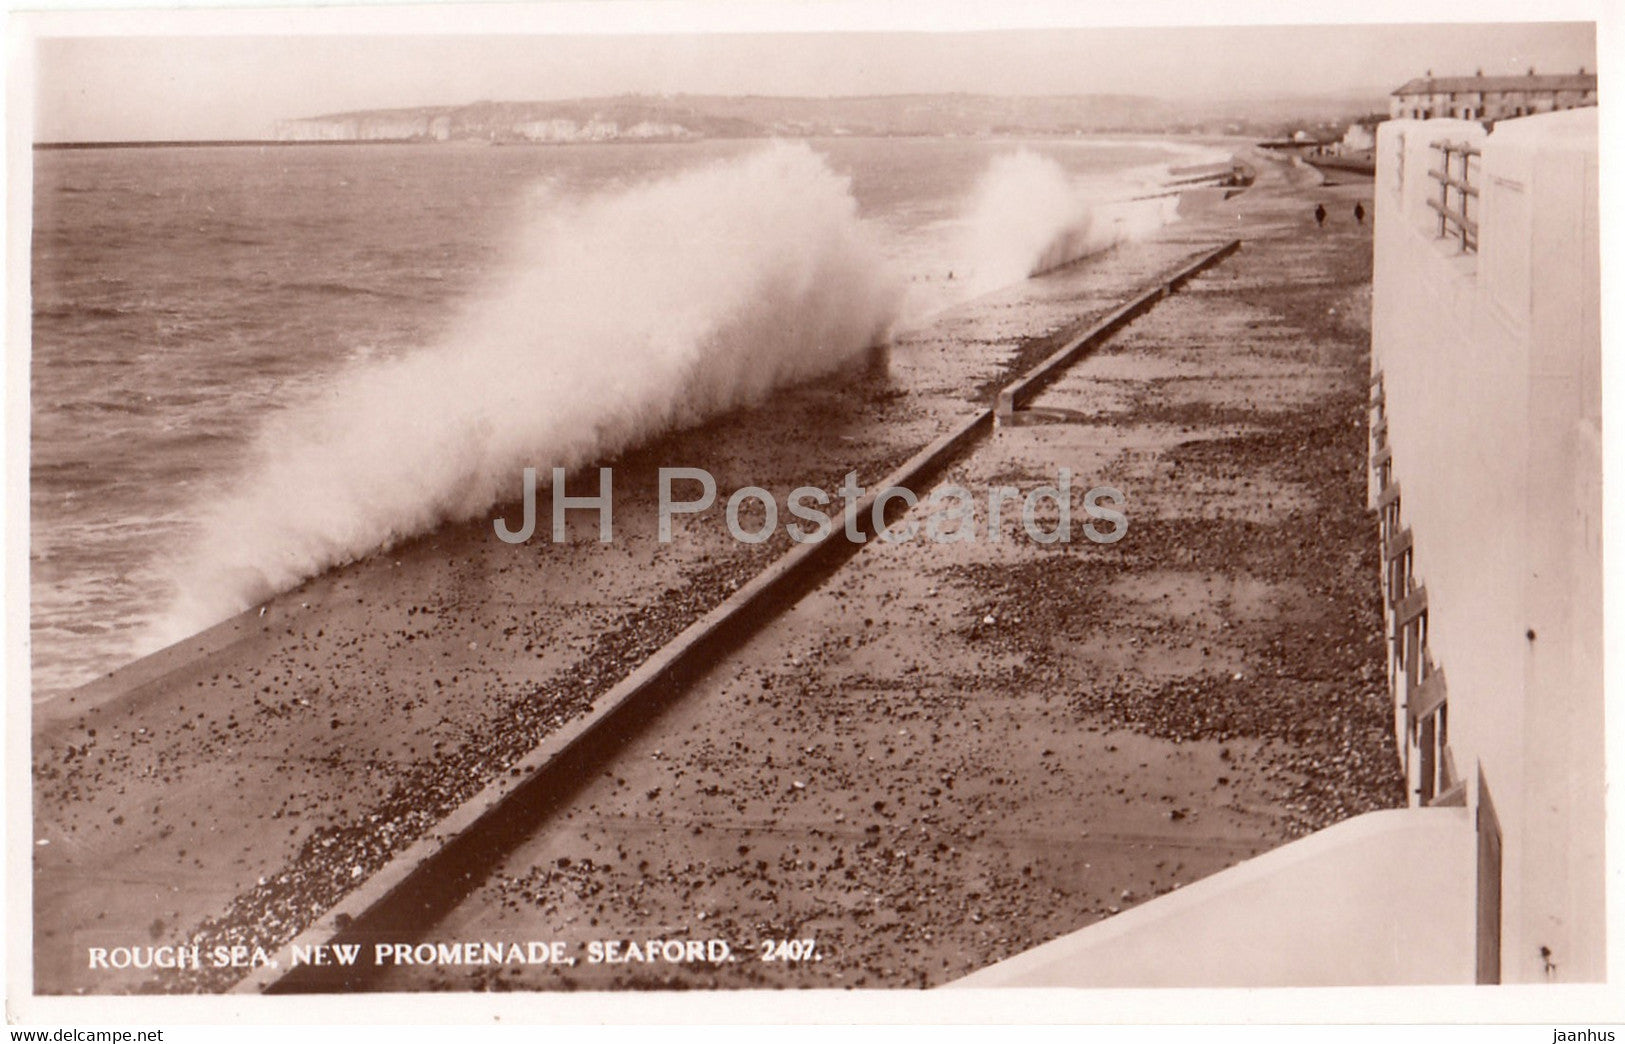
(709, 505)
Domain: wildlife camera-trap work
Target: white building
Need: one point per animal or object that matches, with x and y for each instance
(1488, 347)
(1490, 98)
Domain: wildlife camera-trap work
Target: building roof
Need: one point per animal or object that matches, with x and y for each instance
(1447, 84)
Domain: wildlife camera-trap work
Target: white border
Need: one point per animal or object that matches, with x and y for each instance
(1548, 1005)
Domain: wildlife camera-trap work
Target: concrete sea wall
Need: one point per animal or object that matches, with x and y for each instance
(1490, 363)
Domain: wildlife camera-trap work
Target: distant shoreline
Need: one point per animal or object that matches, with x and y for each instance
(60, 146)
(72, 146)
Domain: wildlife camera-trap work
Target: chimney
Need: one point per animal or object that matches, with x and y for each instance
(1531, 70)
(1582, 70)
(1479, 73)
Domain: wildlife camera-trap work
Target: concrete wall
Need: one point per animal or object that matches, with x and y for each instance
(1491, 365)
(1372, 901)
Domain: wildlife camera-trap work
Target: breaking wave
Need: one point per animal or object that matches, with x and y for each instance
(1028, 215)
(619, 316)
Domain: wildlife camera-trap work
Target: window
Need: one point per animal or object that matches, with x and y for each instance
(1457, 194)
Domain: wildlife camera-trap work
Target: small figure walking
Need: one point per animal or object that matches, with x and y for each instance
(1359, 213)
(1320, 215)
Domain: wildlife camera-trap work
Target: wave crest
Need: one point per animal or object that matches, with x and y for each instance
(1027, 215)
(620, 316)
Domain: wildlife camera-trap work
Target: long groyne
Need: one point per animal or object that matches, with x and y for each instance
(413, 887)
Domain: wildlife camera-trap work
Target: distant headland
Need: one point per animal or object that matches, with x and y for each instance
(687, 117)
(683, 117)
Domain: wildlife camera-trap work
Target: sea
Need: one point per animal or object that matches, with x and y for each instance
(251, 363)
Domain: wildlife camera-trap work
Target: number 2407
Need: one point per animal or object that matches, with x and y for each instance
(789, 950)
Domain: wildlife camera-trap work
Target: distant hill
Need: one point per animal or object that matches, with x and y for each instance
(679, 117)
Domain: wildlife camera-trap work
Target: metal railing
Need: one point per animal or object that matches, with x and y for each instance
(1456, 189)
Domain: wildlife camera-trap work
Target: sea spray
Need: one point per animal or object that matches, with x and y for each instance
(621, 316)
(1028, 215)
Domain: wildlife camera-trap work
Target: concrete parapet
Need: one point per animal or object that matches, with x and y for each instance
(1373, 901)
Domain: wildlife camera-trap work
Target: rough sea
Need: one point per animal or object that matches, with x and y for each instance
(237, 351)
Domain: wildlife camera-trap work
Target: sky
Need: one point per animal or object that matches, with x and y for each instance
(225, 73)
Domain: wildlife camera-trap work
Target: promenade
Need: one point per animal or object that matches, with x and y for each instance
(943, 755)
